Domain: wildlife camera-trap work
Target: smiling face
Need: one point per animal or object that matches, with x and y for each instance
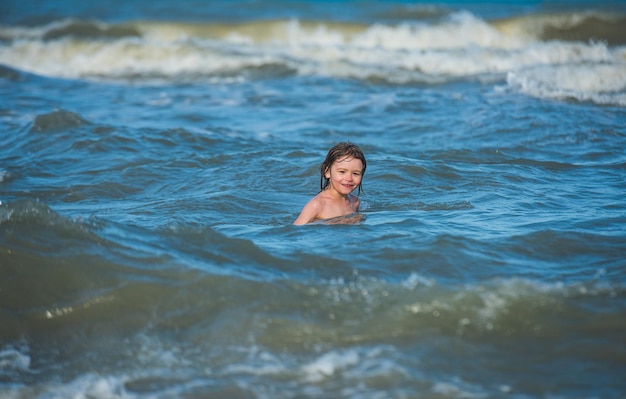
(344, 175)
(340, 153)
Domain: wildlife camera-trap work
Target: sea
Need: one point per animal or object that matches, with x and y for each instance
(155, 153)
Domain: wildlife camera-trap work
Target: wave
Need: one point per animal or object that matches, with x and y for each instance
(208, 311)
(57, 120)
(454, 29)
(99, 308)
(598, 83)
(579, 27)
(542, 56)
(89, 271)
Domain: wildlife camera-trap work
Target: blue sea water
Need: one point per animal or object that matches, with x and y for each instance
(154, 155)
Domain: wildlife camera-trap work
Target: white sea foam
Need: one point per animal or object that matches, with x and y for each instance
(458, 388)
(13, 359)
(90, 385)
(598, 83)
(416, 279)
(461, 47)
(461, 31)
(328, 364)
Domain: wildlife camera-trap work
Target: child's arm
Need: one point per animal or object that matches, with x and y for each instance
(309, 212)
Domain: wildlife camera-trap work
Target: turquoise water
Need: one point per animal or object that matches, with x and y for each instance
(154, 155)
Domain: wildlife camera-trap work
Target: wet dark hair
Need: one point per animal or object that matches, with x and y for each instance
(340, 151)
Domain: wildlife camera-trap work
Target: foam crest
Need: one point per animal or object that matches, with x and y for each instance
(328, 364)
(89, 385)
(12, 359)
(460, 31)
(597, 83)
(460, 46)
(124, 59)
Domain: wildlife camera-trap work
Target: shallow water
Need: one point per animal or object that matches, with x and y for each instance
(154, 155)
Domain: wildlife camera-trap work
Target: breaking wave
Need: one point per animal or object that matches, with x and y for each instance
(542, 56)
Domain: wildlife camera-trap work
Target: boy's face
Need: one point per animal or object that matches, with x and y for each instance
(345, 175)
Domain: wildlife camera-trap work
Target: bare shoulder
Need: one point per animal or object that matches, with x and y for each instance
(311, 210)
